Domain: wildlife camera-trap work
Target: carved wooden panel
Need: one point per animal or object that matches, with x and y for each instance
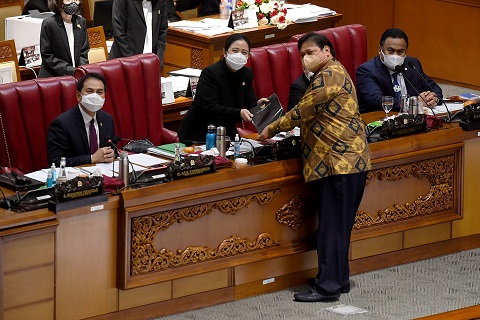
(95, 39)
(197, 58)
(440, 196)
(146, 258)
(292, 213)
(6, 52)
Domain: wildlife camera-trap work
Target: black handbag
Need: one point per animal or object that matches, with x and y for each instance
(287, 148)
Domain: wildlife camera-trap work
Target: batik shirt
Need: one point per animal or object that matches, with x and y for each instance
(333, 138)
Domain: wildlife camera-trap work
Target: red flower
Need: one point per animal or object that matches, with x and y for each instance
(273, 13)
(258, 2)
(284, 10)
(239, 3)
(282, 19)
(260, 16)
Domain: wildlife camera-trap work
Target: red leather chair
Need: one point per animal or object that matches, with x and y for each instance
(26, 110)
(133, 96)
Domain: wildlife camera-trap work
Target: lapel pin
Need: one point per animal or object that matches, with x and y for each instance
(78, 26)
(243, 83)
(101, 124)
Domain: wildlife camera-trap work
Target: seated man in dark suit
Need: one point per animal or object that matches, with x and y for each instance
(300, 85)
(82, 134)
(377, 77)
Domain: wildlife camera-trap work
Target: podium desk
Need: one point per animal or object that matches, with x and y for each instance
(188, 49)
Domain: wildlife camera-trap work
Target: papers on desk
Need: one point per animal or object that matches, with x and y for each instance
(453, 107)
(207, 26)
(146, 160)
(306, 12)
(186, 72)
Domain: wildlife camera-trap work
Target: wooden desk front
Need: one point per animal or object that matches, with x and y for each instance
(189, 49)
(240, 232)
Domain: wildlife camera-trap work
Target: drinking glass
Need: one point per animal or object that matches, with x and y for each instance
(387, 104)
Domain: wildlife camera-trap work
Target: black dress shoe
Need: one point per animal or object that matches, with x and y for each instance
(344, 289)
(313, 296)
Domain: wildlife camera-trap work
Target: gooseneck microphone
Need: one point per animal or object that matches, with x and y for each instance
(399, 69)
(412, 65)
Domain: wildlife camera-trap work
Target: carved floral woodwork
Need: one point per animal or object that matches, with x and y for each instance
(146, 258)
(440, 196)
(197, 58)
(292, 213)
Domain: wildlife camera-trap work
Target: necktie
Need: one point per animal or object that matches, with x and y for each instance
(397, 89)
(93, 137)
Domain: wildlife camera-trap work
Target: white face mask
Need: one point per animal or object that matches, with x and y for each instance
(235, 61)
(92, 102)
(392, 60)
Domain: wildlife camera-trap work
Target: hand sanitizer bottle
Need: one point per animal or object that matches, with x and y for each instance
(236, 146)
(53, 170)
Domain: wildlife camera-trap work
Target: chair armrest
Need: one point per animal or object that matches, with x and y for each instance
(168, 136)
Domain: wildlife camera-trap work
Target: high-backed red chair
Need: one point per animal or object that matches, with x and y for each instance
(133, 96)
(350, 44)
(26, 110)
(276, 66)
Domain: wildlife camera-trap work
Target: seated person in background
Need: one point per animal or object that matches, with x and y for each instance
(300, 85)
(40, 5)
(224, 93)
(377, 77)
(63, 40)
(82, 134)
(207, 7)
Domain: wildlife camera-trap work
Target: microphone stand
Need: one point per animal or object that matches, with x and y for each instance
(412, 65)
(399, 70)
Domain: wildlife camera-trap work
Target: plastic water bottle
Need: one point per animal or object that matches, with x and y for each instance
(53, 170)
(211, 136)
(62, 175)
(236, 146)
(49, 179)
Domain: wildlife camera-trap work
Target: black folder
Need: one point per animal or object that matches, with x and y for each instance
(266, 113)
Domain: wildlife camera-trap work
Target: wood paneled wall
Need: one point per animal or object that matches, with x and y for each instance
(441, 32)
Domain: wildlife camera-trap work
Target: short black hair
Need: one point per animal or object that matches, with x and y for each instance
(91, 75)
(319, 39)
(394, 33)
(235, 37)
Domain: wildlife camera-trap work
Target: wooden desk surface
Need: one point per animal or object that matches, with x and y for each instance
(189, 49)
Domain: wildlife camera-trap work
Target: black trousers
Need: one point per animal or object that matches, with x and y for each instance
(337, 201)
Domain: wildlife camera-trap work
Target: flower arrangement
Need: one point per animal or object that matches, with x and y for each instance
(269, 12)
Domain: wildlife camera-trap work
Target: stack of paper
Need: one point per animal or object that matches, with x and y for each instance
(207, 26)
(306, 12)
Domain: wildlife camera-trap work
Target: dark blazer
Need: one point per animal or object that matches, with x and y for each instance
(130, 28)
(220, 95)
(54, 48)
(374, 81)
(297, 90)
(67, 137)
(207, 7)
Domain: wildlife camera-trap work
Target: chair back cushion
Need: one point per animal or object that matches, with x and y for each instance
(350, 44)
(26, 110)
(133, 95)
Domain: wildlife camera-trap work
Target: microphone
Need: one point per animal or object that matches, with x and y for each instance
(398, 69)
(5, 202)
(412, 65)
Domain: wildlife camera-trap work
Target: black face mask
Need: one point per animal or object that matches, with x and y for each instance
(71, 8)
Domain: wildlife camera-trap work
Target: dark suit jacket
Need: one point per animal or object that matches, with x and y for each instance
(297, 90)
(130, 28)
(207, 7)
(220, 95)
(54, 48)
(67, 137)
(40, 5)
(374, 81)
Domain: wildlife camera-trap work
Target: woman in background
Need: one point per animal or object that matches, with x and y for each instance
(224, 93)
(63, 40)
